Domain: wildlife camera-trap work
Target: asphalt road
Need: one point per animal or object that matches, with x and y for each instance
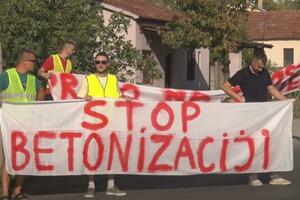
(202, 187)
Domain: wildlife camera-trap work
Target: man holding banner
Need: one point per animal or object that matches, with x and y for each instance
(256, 84)
(101, 85)
(57, 63)
(18, 85)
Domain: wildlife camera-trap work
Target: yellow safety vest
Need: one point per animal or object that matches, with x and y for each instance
(95, 89)
(58, 67)
(15, 92)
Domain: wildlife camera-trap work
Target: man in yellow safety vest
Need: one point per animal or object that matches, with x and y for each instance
(58, 63)
(18, 85)
(101, 85)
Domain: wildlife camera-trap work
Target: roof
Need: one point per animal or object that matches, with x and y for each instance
(144, 9)
(274, 25)
(255, 45)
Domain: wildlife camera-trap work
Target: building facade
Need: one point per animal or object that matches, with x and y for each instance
(182, 68)
(281, 29)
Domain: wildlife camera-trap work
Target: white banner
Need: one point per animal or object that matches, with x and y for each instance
(65, 86)
(158, 138)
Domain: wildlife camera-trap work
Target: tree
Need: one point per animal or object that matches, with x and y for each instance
(281, 4)
(217, 24)
(169, 3)
(44, 25)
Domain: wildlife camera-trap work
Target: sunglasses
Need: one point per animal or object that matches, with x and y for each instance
(98, 62)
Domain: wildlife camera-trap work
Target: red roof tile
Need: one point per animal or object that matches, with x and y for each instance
(274, 25)
(144, 9)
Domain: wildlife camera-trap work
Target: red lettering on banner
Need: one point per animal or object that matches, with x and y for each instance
(156, 111)
(70, 136)
(53, 80)
(202, 145)
(199, 96)
(185, 150)
(38, 150)
(250, 143)
(141, 158)
(20, 147)
(130, 106)
(120, 146)
(277, 77)
(184, 114)
(88, 110)
(165, 140)
(293, 83)
(68, 85)
(290, 70)
(86, 162)
(131, 88)
(170, 95)
(123, 155)
(223, 158)
(266, 134)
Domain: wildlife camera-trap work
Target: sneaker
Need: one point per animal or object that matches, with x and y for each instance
(20, 196)
(114, 191)
(256, 183)
(90, 193)
(280, 181)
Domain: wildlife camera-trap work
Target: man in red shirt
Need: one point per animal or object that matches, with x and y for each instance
(57, 63)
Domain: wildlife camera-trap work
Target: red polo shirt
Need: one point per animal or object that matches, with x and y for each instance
(48, 64)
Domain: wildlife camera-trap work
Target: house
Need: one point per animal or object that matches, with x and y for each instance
(182, 68)
(279, 28)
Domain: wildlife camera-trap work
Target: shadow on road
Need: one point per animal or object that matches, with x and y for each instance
(78, 184)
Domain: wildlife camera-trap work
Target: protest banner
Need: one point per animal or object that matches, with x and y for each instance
(287, 79)
(146, 137)
(65, 86)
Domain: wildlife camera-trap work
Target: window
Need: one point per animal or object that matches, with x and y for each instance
(191, 62)
(288, 56)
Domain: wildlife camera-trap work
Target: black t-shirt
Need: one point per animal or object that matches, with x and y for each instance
(253, 86)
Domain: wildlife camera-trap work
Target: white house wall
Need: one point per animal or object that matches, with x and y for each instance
(202, 61)
(131, 36)
(179, 58)
(276, 53)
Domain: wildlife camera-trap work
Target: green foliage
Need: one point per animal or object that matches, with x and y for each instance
(208, 24)
(281, 4)
(169, 3)
(219, 55)
(44, 25)
(125, 59)
(247, 55)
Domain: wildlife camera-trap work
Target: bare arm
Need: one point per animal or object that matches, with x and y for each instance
(40, 95)
(43, 73)
(275, 93)
(227, 89)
